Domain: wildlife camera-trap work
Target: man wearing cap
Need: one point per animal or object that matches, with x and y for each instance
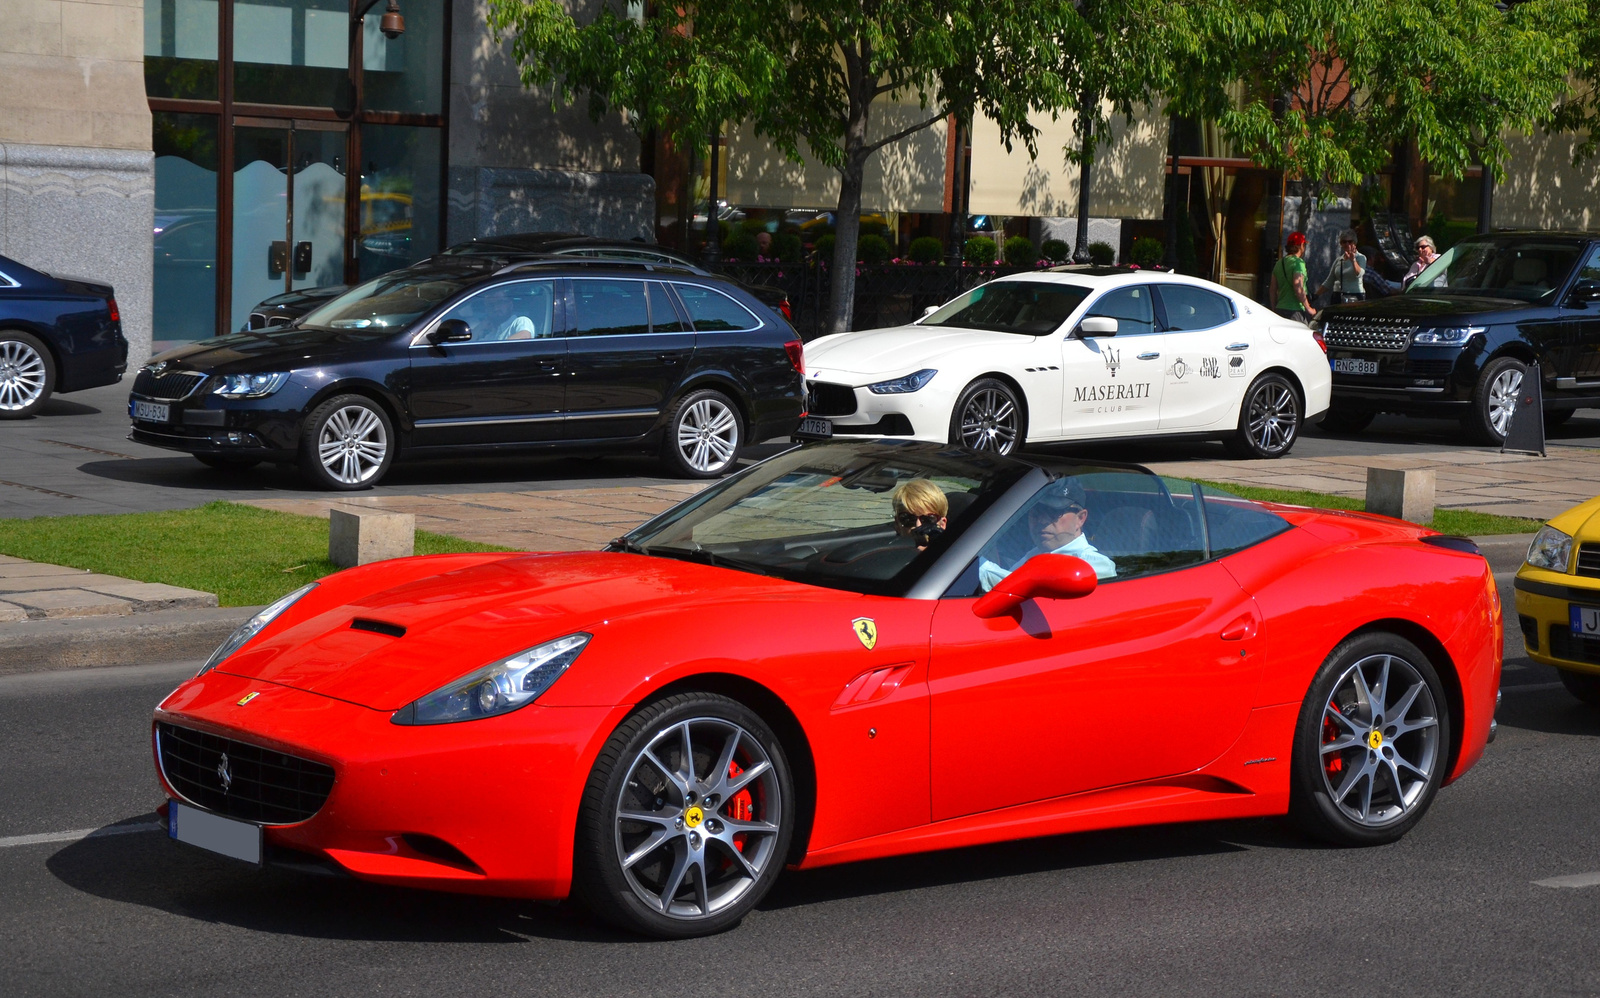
(1056, 519)
(1288, 285)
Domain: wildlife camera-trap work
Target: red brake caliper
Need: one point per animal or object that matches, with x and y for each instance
(1330, 734)
(740, 807)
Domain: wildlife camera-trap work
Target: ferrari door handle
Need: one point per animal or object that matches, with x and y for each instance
(1148, 356)
(1238, 346)
(1241, 629)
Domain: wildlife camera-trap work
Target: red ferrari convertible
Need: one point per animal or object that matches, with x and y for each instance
(849, 651)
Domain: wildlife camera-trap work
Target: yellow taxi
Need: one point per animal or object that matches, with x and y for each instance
(1558, 598)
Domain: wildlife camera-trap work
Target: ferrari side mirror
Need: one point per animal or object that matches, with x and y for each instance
(1044, 576)
(1098, 325)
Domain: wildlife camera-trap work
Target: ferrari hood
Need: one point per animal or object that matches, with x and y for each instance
(869, 355)
(384, 648)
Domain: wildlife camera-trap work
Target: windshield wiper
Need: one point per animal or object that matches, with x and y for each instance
(705, 557)
(625, 543)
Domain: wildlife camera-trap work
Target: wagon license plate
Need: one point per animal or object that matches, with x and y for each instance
(814, 428)
(153, 412)
(213, 832)
(1585, 621)
(1354, 365)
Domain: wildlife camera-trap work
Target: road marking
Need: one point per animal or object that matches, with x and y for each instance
(35, 488)
(80, 833)
(1571, 880)
(92, 450)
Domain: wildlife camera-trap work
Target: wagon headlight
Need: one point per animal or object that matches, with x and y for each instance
(1447, 335)
(249, 386)
(1550, 549)
(251, 628)
(901, 386)
(497, 688)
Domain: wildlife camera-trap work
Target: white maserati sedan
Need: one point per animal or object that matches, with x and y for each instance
(1076, 354)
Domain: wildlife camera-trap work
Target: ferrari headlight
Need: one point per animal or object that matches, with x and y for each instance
(251, 628)
(1550, 549)
(901, 386)
(1447, 335)
(250, 386)
(497, 688)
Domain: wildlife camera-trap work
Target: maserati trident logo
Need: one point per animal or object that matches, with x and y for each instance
(225, 773)
(1113, 360)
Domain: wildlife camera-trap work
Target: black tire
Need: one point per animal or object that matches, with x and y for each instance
(1488, 418)
(1583, 685)
(1413, 726)
(347, 443)
(1269, 418)
(703, 436)
(1342, 419)
(27, 374)
(693, 823)
(224, 463)
(990, 416)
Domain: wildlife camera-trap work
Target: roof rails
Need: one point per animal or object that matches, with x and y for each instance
(582, 263)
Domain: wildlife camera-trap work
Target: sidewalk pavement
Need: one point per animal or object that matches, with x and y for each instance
(30, 590)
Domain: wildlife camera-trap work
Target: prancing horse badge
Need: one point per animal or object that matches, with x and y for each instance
(867, 630)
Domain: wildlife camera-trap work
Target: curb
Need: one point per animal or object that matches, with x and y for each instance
(1504, 551)
(86, 642)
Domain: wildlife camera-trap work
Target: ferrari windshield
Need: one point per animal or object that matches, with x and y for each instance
(1033, 308)
(392, 301)
(838, 515)
(1528, 268)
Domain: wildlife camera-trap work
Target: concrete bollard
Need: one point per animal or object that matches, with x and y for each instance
(1406, 495)
(360, 538)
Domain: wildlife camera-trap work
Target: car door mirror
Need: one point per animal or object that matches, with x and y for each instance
(1098, 325)
(1044, 576)
(1585, 292)
(450, 331)
(929, 310)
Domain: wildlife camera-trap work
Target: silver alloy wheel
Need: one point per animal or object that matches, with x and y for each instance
(352, 444)
(1503, 391)
(989, 422)
(1380, 740)
(1273, 419)
(698, 818)
(22, 375)
(708, 435)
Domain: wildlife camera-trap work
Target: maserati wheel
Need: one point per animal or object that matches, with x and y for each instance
(686, 820)
(989, 417)
(1269, 419)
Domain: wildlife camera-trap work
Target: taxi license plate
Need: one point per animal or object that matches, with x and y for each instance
(1585, 621)
(815, 428)
(1354, 365)
(213, 832)
(154, 412)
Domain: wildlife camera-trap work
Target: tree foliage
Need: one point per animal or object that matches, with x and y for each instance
(1579, 110)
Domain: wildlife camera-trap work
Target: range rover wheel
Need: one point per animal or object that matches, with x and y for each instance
(686, 819)
(989, 417)
(1343, 419)
(347, 443)
(1269, 419)
(703, 435)
(1494, 401)
(27, 374)
(1371, 743)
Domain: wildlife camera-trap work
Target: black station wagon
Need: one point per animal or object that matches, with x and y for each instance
(445, 359)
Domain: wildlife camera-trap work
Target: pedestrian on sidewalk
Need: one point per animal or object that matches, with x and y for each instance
(1344, 277)
(1287, 291)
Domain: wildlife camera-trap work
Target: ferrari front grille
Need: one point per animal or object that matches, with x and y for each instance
(1365, 333)
(172, 385)
(241, 780)
(1589, 560)
(831, 400)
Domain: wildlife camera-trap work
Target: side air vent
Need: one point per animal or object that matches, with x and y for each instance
(378, 627)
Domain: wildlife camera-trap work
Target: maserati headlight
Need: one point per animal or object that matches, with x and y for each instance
(251, 628)
(1550, 549)
(1447, 335)
(497, 688)
(900, 386)
(250, 386)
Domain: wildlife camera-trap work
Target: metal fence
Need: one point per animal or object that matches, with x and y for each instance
(886, 294)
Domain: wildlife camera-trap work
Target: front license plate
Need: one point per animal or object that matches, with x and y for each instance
(225, 836)
(1585, 621)
(154, 412)
(815, 428)
(1354, 365)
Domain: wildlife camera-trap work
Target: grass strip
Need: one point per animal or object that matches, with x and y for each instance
(247, 556)
(1464, 522)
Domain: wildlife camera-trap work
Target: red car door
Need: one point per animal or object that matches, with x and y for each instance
(1144, 677)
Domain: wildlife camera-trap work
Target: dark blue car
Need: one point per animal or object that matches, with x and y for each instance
(57, 334)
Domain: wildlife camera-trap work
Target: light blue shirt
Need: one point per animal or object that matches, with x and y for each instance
(990, 573)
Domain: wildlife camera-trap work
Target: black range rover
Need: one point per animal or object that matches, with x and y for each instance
(1461, 338)
(454, 358)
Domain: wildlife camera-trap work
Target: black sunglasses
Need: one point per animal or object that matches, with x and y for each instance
(908, 519)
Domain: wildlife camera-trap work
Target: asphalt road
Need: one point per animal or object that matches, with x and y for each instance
(1233, 908)
(75, 458)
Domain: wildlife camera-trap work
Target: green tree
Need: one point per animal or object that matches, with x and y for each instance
(1579, 110)
(805, 76)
